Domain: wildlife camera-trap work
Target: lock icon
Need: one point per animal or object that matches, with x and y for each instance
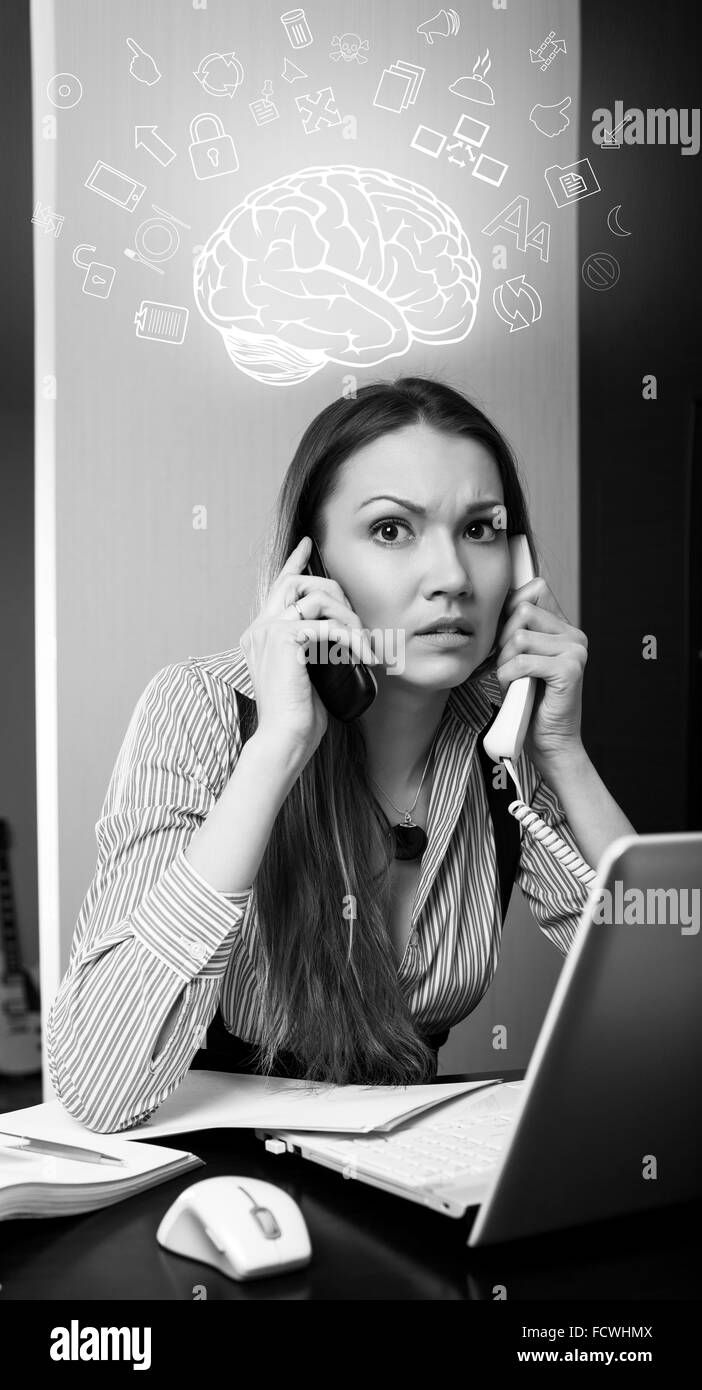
(98, 277)
(215, 155)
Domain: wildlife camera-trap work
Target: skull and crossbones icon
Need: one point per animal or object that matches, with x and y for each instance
(349, 47)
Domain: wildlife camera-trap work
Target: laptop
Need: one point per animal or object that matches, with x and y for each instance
(604, 1121)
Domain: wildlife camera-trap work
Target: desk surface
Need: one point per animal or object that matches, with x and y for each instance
(389, 1248)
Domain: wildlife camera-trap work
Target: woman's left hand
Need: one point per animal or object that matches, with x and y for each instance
(537, 640)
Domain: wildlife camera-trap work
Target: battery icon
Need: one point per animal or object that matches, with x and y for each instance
(162, 323)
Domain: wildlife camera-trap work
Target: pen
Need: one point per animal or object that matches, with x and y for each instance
(48, 1146)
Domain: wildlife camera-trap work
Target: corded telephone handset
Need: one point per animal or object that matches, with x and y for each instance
(503, 740)
(506, 735)
(348, 688)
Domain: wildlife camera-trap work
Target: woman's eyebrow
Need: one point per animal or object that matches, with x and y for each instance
(422, 511)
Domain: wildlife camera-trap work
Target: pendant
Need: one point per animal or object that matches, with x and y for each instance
(410, 841)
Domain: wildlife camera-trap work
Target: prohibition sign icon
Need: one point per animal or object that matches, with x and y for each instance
(600, 270)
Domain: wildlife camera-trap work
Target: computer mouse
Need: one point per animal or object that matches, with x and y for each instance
(242, 1226)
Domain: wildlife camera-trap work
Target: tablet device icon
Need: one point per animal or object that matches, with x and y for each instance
(116, 187)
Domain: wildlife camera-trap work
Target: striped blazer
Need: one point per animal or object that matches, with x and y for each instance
(153, 938)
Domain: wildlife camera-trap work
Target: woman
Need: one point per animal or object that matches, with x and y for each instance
(330, 956)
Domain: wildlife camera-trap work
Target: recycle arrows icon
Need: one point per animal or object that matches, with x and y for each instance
(225, 87)
(518, 287)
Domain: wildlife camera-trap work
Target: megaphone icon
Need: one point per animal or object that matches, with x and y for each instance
(443, 23)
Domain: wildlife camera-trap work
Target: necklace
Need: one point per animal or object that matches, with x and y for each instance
(410, 839)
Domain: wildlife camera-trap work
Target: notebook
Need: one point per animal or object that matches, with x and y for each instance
(39, 1184)
(604, 1122)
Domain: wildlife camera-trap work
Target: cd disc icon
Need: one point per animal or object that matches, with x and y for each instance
(64, 90)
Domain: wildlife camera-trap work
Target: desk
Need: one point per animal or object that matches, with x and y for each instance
(366, 1245)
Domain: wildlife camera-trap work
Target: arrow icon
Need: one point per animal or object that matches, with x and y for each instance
(518, 286)
(608, 141)
(146, 137)
(218, 64)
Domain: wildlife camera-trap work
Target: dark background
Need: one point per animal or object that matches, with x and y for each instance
(641, 461)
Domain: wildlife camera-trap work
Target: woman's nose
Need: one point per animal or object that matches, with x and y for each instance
(446, 571)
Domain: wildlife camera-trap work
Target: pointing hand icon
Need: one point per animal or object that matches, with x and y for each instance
(142, 65)
(550, 120)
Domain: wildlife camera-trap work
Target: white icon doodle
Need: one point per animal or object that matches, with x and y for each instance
(264, 110)
(291, 72)
(211, 155)
(64, 90)
(162, 323)
(115, 186)
(157, 238)
(142, 65)
(99, 278)
(145, 138)
(475, 88)
(133, 256)
(600, 270)
(608, 141)
(428, 141)
(517, 303)
(469, 133)
(613, 221)
(548, 49)
(489, 170)
(296, 27)
(398, 87)
(50, 222)
(406, 276)
(514, 218)
(318, 109)
(443, 24)
(220, 74)
(569, 183)
(551, 120)
(349, 47)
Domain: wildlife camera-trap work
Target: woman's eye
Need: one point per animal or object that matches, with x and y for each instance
(394, 522)
(386, 525)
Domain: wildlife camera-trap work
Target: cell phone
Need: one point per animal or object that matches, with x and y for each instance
(348, 688)
(115, 186)
(506, 735)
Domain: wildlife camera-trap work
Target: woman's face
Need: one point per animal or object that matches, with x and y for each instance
(401, 571)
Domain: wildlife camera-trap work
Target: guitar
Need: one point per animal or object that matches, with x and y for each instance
(20, 1021)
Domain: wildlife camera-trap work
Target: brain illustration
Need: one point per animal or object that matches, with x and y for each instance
(335, 264)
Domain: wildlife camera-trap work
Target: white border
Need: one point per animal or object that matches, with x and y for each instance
(45, 648)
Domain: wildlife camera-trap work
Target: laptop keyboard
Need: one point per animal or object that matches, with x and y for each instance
(460, 1141)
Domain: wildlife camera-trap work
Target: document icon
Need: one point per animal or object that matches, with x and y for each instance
(571, 182)
(163, 323)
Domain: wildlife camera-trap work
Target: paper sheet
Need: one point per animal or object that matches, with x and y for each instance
(232, 1100)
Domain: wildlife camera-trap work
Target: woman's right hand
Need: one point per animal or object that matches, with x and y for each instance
(289, 708)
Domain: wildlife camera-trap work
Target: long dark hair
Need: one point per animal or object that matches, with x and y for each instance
(341, 1012)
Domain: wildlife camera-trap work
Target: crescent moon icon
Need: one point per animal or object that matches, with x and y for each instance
(613, 218)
